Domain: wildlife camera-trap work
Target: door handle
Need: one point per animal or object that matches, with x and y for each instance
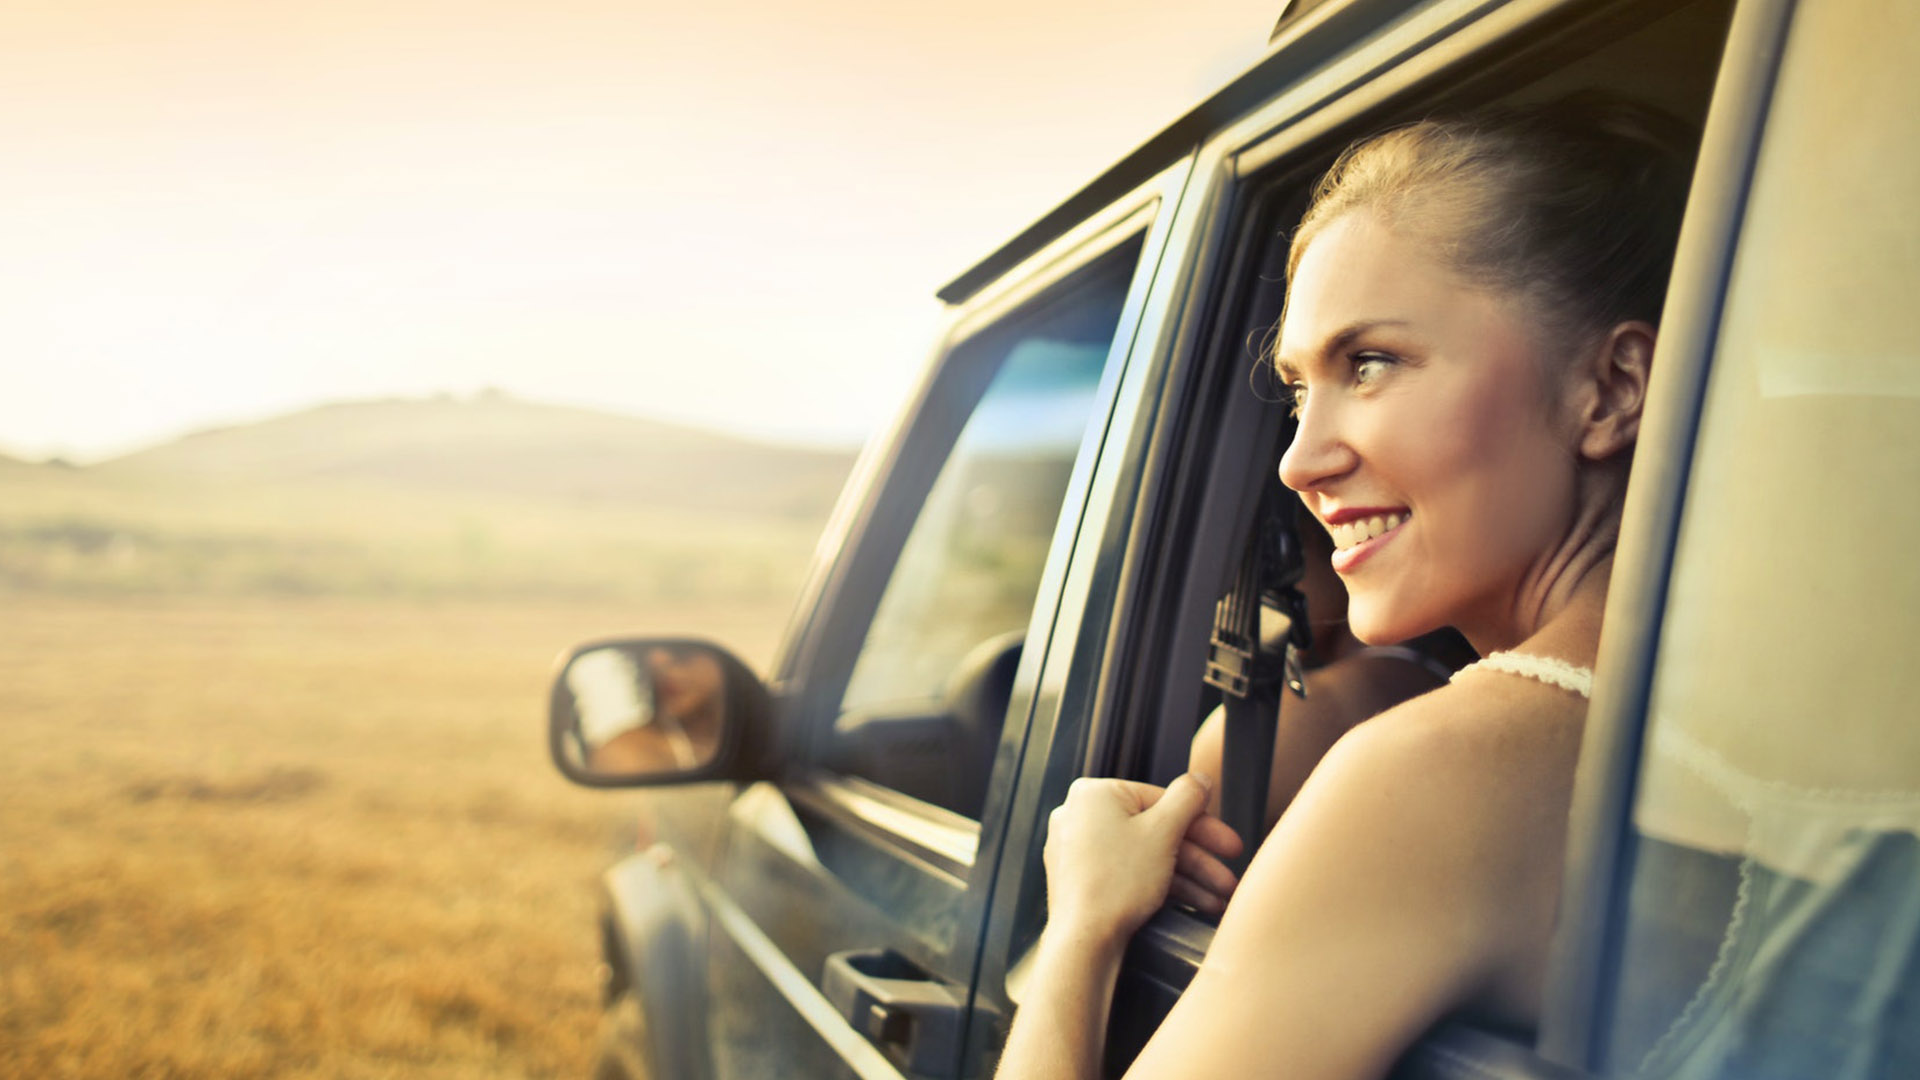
(911, 1016)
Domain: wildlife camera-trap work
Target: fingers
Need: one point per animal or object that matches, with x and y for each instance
(1125, 847)
(1137, 796)
(1184, 890)
(1203, 869)
(1215, 836)
(1189, 793)
(1184, 800)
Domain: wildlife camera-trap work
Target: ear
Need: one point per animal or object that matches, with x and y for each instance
(1616, 390)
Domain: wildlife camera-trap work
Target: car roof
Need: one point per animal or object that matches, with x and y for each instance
(1299, 45)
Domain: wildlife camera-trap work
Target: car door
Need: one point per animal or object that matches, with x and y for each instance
(848, 900)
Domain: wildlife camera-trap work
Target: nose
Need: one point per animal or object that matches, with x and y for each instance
(1318, 453)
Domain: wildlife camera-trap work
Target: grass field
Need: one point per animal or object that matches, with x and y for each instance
(250, 835)
(104, 534)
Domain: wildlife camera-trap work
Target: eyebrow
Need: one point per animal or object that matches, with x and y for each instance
(1289, 370)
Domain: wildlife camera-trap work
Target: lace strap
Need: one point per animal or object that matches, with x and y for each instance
(1546, 669)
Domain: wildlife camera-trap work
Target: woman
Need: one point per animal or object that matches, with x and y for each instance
(1469, 324)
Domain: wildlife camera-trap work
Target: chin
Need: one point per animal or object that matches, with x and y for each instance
(1369, 628)
(1374, 623)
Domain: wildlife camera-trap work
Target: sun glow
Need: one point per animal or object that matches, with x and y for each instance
(734, 214)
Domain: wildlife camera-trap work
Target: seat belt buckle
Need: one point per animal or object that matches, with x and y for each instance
(1230, 661)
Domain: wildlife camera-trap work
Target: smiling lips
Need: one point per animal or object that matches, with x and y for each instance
(1352, 534)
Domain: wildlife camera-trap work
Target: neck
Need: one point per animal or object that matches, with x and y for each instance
(1569, 631)
(1560, 601)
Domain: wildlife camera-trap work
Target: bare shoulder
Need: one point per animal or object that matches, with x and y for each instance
(1476, 729)
(1457, 798)
(1414, 877)
(1487, 762)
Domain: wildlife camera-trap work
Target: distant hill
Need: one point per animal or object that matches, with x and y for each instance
(497, 445)
(18, 465)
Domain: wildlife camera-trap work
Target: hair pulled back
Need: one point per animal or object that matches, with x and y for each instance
(1574, 204)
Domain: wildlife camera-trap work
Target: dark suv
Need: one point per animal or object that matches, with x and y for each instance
(842, 871)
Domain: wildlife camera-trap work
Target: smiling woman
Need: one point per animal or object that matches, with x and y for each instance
(1470, 318)
(1435, 418)
(1560, 225)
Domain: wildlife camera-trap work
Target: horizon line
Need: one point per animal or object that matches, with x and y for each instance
(66, 457)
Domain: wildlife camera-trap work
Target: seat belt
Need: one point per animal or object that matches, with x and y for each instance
(1248, 673)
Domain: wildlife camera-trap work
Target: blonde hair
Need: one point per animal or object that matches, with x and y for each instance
(1575, 204)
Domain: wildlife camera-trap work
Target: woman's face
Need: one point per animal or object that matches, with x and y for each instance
(1428, 442)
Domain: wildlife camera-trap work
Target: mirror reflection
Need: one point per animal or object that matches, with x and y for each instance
(645, 707)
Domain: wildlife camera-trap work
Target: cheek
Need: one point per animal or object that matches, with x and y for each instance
(1500, 468)
(1509, 514)
(1433, 451)
(1489, 485)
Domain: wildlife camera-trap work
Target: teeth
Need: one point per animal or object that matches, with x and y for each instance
(1357, 532)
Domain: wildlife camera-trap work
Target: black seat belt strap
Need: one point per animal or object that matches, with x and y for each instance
(1249, 674)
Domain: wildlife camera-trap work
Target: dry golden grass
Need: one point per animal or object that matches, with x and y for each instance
(301, 837)
(105, 534)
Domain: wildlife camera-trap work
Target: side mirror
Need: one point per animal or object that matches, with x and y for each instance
(647, 711)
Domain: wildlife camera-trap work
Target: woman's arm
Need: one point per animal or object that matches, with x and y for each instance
(1111, 851)
(1060, 1031)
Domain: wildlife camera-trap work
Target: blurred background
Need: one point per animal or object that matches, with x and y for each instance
(361, 356)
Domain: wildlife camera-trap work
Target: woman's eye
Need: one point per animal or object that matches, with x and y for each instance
(1296, 398)
(1370, 366)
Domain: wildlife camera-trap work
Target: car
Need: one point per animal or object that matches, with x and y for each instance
(1023, 584)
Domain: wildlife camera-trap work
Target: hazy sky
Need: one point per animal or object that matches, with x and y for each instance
(733, 212)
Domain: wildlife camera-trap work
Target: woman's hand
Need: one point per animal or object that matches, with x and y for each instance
(1116, 849)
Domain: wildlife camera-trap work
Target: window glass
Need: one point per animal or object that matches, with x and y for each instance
(972, 563)
(924, 705)
(1773, 913)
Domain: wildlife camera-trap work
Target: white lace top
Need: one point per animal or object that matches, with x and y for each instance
(1546, 669)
